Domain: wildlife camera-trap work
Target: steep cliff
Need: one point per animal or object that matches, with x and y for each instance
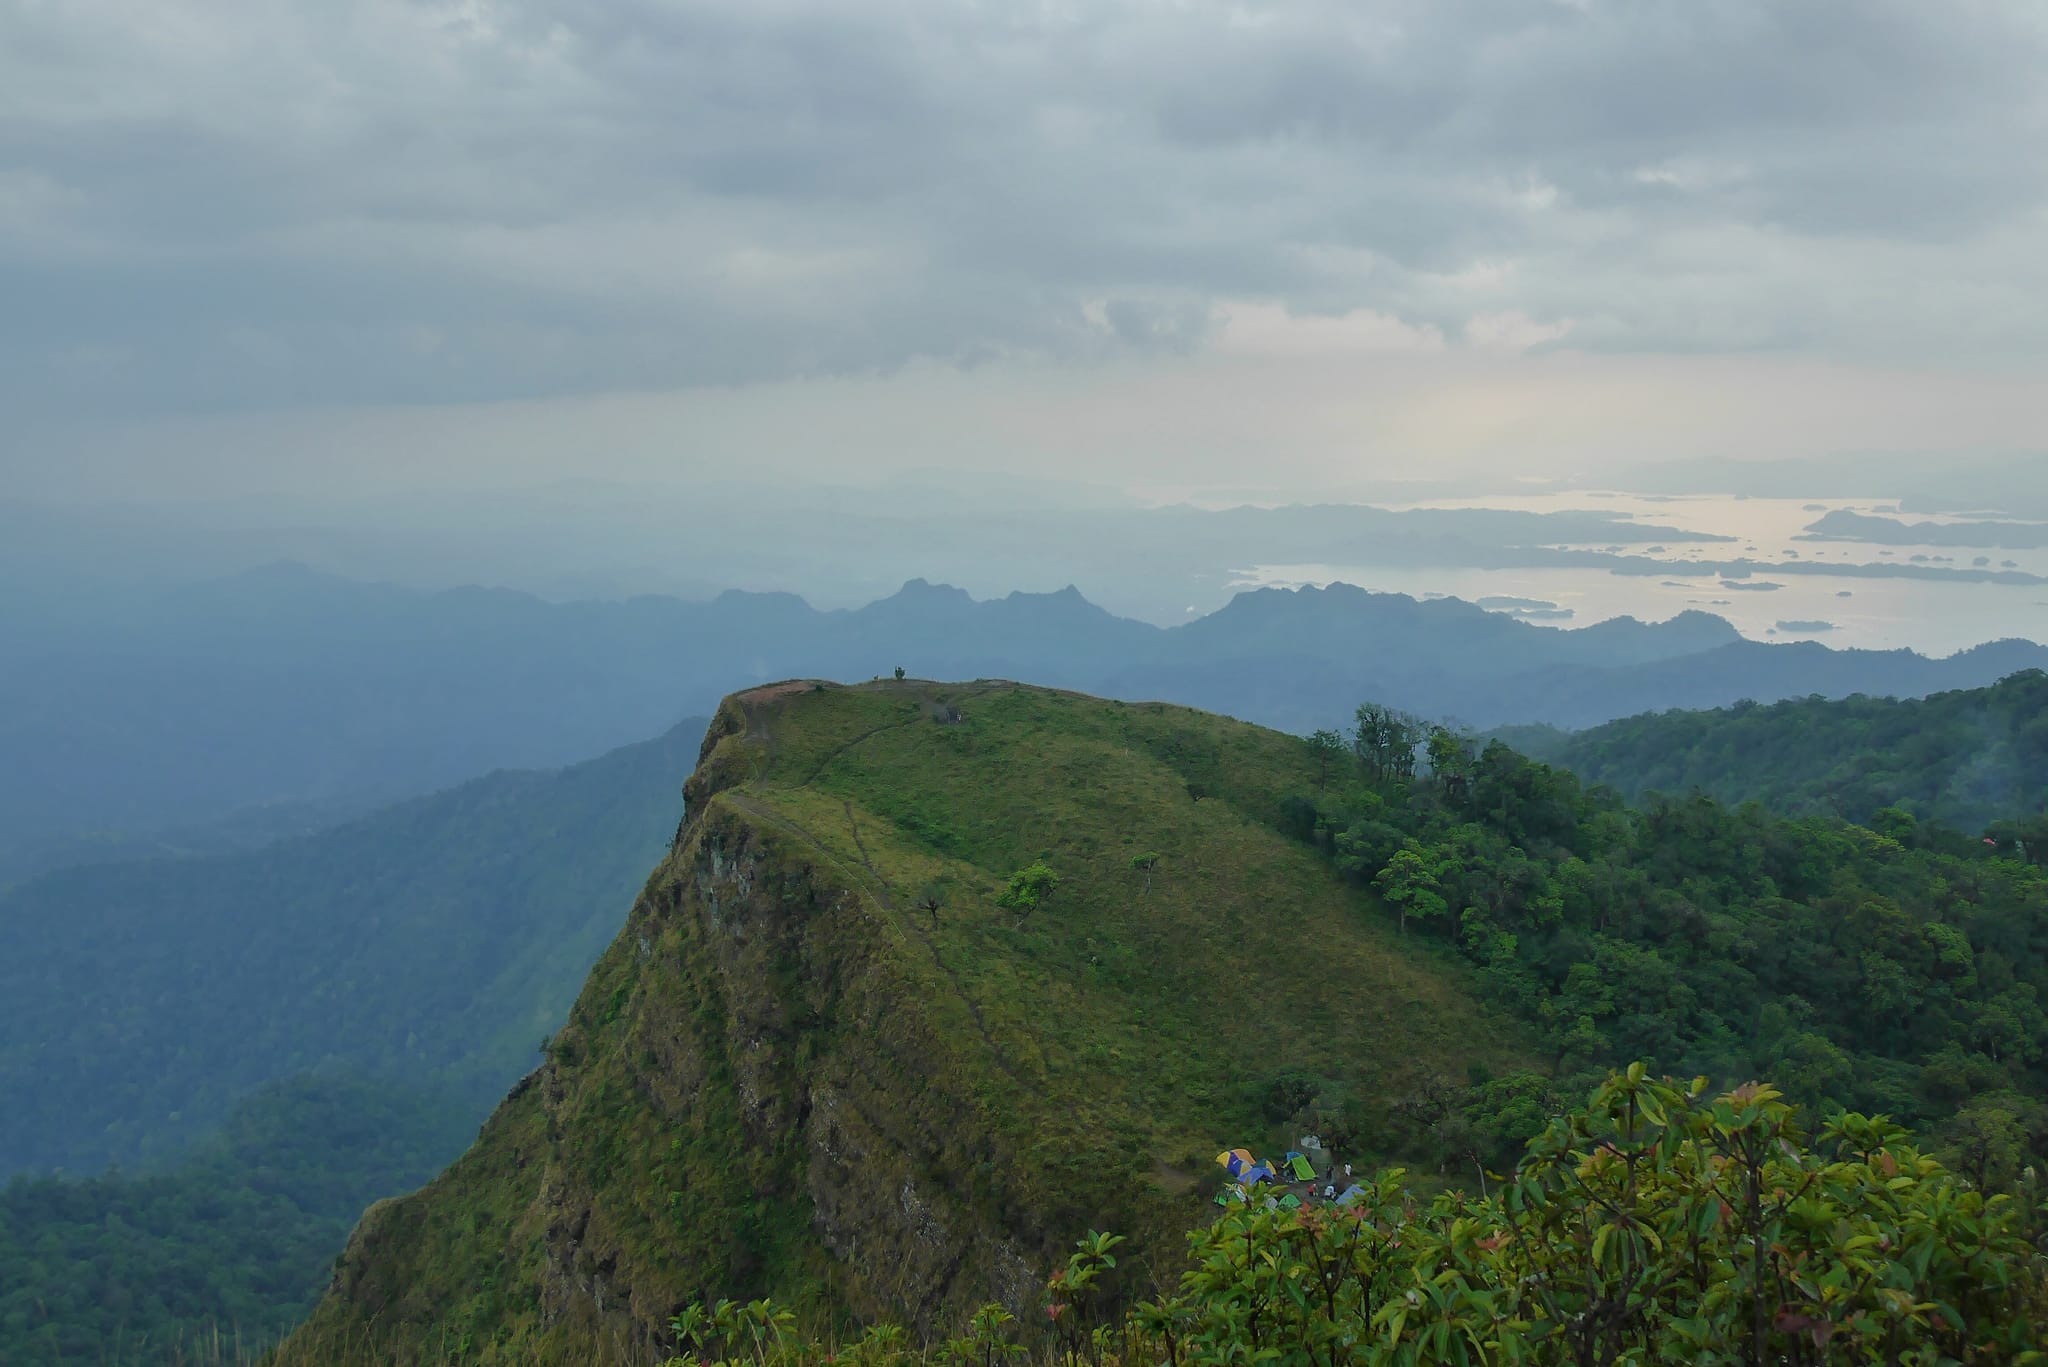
(822, 1062)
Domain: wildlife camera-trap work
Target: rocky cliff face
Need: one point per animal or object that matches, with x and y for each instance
(749, 1099)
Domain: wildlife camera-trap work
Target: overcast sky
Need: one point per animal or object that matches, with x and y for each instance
(1150, 242)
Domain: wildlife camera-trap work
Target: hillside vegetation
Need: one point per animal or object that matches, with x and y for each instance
(1972, 758)
(851, 1052)
(433, 943)
(1899, 970)
(228, 1247)
(937, 977)
(1656, 1223)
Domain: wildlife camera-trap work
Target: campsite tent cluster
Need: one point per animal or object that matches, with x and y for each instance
(1310, 1167)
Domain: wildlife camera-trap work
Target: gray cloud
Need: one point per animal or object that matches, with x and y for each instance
(248, 205)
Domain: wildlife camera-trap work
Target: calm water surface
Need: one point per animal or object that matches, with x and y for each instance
(1932, 616)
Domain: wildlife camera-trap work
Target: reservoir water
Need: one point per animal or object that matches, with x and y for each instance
(1787, 588)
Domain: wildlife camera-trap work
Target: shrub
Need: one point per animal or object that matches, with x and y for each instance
(1654, 1225)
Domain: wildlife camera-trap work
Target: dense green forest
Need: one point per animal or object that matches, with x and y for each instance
(424, 951)
(235, 1239)
(1895, 968)
(1973, 759)
(436, 941)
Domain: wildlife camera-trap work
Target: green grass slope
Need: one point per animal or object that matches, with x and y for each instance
(789, 1076)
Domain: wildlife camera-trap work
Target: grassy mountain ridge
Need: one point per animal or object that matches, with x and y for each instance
(1970, 758)
(790, 1074)
(435, 941)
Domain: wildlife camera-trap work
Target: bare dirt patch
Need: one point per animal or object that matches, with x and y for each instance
(754, 697)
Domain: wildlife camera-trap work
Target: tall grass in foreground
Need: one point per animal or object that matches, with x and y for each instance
(210, 1346)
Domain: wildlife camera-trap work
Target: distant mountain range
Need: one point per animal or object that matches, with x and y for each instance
(285, 688)
(1844, 525)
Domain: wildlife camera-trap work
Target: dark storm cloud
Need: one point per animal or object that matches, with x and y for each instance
(247, 205)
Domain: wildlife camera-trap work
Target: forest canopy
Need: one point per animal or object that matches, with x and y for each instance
(236, 1239)
(1897, 968)
(1975, 759)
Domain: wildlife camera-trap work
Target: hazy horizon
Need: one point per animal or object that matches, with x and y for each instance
(675, 299)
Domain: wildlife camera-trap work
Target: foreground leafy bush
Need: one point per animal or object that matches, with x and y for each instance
(1655, 1225)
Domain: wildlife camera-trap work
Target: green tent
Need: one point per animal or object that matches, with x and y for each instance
(1302, 1169)
(1289, 1201)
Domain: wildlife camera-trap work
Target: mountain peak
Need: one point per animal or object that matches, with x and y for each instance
(923, 590)
(785, 1032)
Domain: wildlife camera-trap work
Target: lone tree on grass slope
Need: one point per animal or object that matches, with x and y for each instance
(1029, 888)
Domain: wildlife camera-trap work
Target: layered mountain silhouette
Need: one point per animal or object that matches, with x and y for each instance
(282, 686)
